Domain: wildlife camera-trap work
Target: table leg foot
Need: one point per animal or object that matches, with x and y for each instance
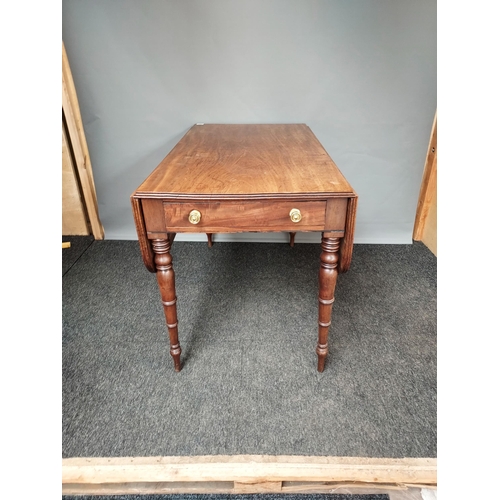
(321, 358)
(209, 238)
(328, 273)
(166, 281)
(292, 239)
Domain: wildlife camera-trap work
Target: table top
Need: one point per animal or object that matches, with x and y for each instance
(233, 161)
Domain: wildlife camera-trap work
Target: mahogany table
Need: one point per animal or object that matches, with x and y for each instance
(235, 178)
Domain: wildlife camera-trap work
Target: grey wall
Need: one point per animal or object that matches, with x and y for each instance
(361, 74)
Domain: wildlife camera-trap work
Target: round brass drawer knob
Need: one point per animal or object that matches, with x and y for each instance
(295, 215)
(194, 216)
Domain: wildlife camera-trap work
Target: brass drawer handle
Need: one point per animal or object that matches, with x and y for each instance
(295, 215)
(194, 216)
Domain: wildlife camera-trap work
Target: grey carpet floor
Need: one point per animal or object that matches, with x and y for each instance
(248, 328)
(78, 245)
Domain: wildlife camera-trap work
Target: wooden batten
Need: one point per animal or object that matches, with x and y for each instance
(76, 137)
(425, 227)
(74, 220)
(240, 474)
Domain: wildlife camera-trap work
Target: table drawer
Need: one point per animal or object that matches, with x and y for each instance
(220, 217)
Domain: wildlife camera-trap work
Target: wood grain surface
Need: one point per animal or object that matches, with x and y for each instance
(425, 227)
(76, 137)
(217, 217)
(74, 219)
(247, 468)
(144, 242)
(246, 160)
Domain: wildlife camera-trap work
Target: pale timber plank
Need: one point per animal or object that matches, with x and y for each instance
(249, 468)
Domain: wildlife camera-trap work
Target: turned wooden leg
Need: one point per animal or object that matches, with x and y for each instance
(209, 238)
(292, 239)
(166, 281)
(327, 280)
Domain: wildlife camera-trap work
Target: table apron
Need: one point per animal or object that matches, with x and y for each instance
(254, 216)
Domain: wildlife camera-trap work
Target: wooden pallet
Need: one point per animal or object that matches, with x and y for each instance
(243, 474)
